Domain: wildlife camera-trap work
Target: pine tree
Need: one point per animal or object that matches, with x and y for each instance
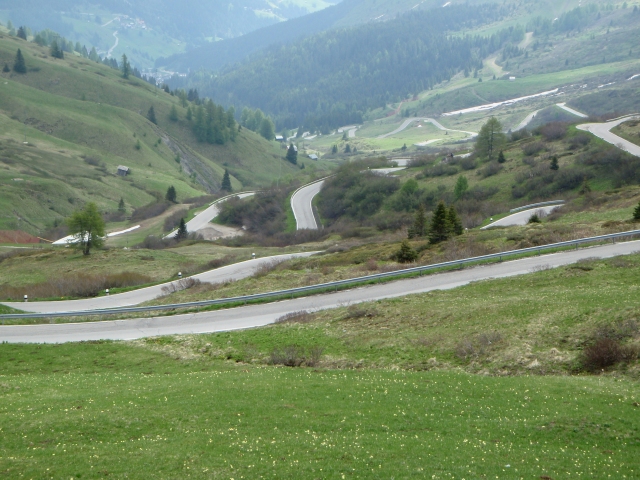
(347, 149)
(490, 139)
(126, 67)
(462, 185)
(121, 206)
(419, 227)
(189, 114)
(501, 158)
(636, 212)
(173, 114)
(439, 229)
(292, 154)
(19, 66)
(554, 163)
(6, 68)
(182, 232)
(334, 149)
(406, 254)
(151, 115)
(267, 129)
(454, 221)
(22, 33)
(171, 194)
(226, 182)
(55, 50)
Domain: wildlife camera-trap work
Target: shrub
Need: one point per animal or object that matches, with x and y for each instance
(534, 218)
(295, 356)
(492, 168)
(579, 140)
(532, 148)
(554, 131)
(473, 347)
(149, 211)
(440, 170)
(606, 352)
(406, 253)
(296, 317)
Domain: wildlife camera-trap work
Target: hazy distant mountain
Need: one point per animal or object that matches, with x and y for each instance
(347, 13)
(176, 26)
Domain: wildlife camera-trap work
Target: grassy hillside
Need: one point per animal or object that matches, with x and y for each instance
(81, 120)
(388, 391)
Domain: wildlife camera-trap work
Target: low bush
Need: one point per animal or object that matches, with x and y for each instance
(77, 285)
(440, 170)
(477, 346)
(533, 148)
(554, 131)
(182, 284)
(295, 356)
(296, 317)
(606, 352)
(491, 169)
(150, 210)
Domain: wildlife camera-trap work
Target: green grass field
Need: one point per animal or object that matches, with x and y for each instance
(389, 396)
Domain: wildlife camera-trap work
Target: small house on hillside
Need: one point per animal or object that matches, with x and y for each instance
(279, 138)
(313, 156)
(123, 171)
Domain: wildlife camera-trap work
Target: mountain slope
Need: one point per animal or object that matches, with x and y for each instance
(81, 120)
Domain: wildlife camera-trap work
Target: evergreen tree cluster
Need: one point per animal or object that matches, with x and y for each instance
(332, 78)
(212, 124)
(257, 121)
(445, 223)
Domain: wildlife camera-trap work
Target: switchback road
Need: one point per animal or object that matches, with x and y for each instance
(602, 130)
(264, 314)
(237, 271)
(302, 207)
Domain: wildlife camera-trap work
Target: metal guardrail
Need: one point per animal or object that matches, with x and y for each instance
(534, 205)
(327, 286)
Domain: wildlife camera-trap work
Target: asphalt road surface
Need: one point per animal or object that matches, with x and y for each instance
(433, 121)
(236, 271)
(302, 207)
(602, 130)
(571, 110)
(520, 218)
(264, 314)
(202, 219)
(526, 121)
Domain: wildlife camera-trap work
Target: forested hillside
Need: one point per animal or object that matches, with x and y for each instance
(333, 77)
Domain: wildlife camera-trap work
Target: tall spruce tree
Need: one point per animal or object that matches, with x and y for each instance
(182, 232)
(171, 195)
(22, 33)
(455, 224)
(439, 229)
(151, 115)
(226, 182)
(501, 158)
(636, 212)
(55, 50)
(19, 65)
(121, 206)
(292, 154)
(554, 163)
(462, 185)
(126, 67)
(406, 254)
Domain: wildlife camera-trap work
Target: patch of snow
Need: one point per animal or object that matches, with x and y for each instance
(491, 106)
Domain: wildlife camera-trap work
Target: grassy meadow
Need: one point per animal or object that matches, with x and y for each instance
(398, 388)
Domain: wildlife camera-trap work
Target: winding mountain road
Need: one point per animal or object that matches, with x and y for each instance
(237, 271)
(264, 314)
(301, 204)
(202, 220)
(433, 121)
(602, 130)
(520, 218)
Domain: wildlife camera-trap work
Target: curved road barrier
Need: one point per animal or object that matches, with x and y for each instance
(236, 271)
(251, 316)
(540, 204)
(351, 281)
